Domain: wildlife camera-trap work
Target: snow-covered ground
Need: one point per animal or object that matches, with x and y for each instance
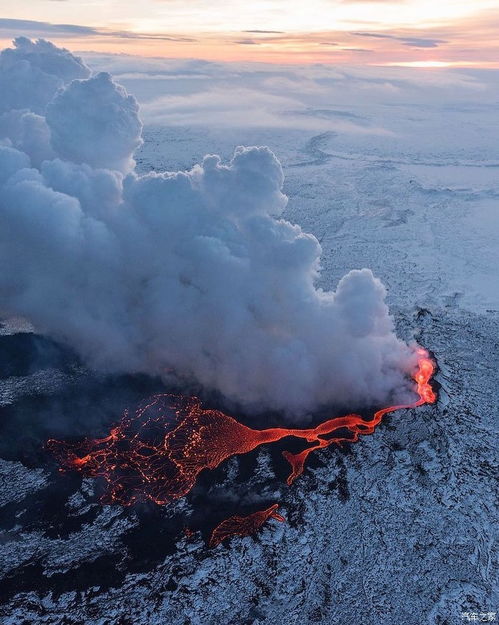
(401, 176)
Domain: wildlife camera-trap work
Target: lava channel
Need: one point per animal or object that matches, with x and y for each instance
(157, 452)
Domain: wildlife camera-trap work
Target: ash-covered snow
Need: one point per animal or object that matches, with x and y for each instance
(398, 529)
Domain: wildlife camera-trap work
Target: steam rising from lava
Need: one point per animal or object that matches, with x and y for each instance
(192, 274)
(158, 452)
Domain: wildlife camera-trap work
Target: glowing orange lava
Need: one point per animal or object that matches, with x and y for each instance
(243, 525)
(158, 452)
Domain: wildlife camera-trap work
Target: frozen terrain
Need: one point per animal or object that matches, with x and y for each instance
(399, 529)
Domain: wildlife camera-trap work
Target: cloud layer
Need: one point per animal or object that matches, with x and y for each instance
(413, 31)
(191, 275)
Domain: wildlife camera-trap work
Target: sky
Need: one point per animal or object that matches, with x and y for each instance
(421, 33)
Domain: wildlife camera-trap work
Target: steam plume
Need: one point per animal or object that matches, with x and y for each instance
(187, 272)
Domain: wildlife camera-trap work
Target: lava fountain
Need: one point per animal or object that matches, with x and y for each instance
(157, 452)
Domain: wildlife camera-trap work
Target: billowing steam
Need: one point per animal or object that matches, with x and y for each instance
(186, 273)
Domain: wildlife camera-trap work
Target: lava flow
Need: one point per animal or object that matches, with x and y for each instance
(158, 452)
(243, 525)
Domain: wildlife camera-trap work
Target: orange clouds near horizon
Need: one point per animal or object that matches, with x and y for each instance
(458, 37)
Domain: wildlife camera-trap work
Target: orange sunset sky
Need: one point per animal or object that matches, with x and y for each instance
(421, 33)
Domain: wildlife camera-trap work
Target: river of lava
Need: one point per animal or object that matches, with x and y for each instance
(157, 452)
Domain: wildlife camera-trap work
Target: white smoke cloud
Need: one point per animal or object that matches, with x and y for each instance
(32, 72)
(96, 122)
(187, 273)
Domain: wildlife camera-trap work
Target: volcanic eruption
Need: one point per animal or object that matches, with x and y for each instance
(158, 452)
(193, 276)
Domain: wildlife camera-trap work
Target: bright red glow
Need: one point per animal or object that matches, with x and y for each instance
(243, 525)
(158, 452)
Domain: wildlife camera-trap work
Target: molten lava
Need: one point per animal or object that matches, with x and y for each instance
(158, 452)
(243, 525)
